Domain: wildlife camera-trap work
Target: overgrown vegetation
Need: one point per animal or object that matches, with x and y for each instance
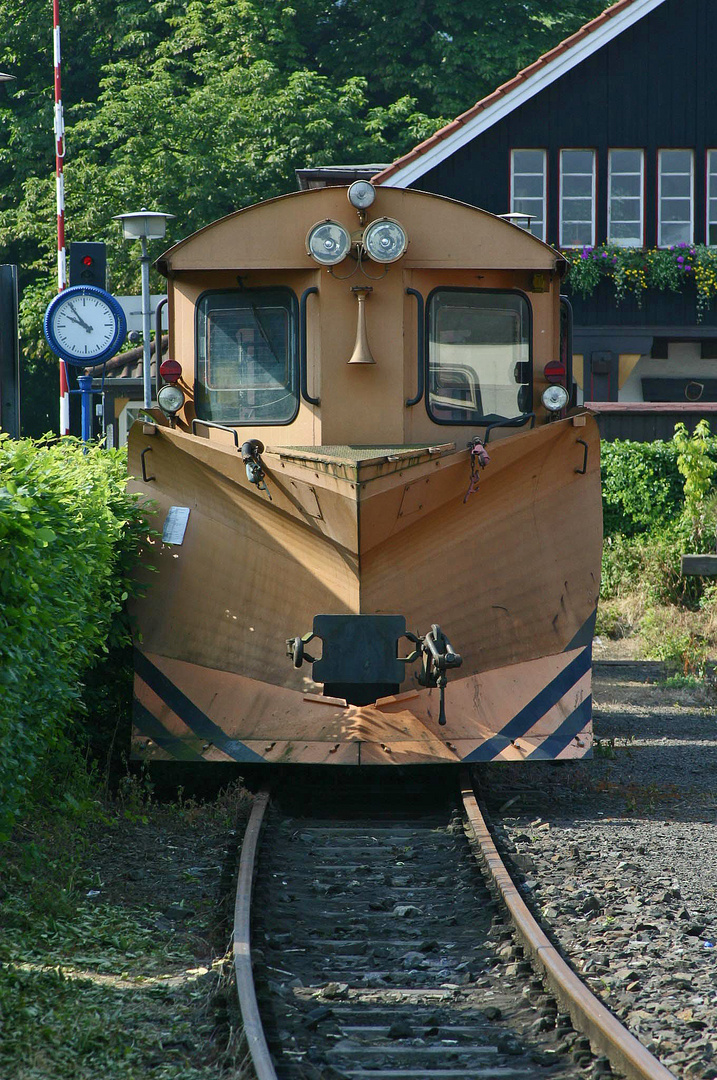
(113, 931)
(69, 538)
(113, 906)
(659, 502)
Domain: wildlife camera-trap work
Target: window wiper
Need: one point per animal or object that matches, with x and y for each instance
(263, 332)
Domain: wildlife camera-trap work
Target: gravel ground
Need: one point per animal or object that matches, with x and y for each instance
(619, 857)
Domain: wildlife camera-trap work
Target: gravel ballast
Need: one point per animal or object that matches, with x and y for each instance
(618, 856)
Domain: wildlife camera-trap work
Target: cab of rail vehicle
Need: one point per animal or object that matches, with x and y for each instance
(386, 318)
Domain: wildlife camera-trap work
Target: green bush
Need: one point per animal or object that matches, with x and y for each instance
(679, 645)
(642, 488)
(658, 502)
(69, 537)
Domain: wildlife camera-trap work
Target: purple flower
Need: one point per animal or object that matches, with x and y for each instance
(687, 269)
(680, 258)
(683, 244)
(604, 254)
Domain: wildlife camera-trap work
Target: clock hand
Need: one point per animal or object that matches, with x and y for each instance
(78, 322)
(79, 318)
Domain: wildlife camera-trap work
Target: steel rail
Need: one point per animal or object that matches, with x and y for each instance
(253, 1029)
(587, 1012)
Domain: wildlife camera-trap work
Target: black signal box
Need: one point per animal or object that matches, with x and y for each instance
(88, 263)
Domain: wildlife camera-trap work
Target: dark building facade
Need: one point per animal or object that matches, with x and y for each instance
(611, 138)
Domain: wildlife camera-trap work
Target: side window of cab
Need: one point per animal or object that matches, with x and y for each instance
(247, 356)
(479, 356)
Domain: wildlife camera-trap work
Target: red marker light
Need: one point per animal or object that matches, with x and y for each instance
(87, 260)
(170, 370)
(554, 372)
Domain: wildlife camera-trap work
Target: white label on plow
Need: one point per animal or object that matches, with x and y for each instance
(175, 525)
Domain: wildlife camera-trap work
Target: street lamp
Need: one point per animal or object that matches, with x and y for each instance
(145, 225)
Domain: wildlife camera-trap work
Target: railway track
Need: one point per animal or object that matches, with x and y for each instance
(396, 946)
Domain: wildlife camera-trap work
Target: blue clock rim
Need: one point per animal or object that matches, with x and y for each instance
(120, 329)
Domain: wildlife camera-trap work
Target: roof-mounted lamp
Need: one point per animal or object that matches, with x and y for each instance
(361, 195)
(328, 242)
(385, 240)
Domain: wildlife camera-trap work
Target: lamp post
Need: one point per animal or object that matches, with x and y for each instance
(145, 225)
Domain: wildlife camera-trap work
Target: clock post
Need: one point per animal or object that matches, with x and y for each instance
(85, 384)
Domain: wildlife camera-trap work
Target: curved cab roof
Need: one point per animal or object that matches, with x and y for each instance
(441, 232)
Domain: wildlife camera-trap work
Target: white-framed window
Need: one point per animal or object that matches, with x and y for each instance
(528, 187)
(577, 198)
(676, 181)
(626, 185)
(712, 197)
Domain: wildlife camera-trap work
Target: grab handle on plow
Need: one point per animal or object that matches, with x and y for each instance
(219, 427)
(585, 457)
(146, 478)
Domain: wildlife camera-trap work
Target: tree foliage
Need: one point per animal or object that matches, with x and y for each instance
(199, 107)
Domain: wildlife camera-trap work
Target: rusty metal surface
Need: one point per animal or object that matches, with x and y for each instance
(588, 1014)
(214, 629)
(538, 709)
(253, 1028)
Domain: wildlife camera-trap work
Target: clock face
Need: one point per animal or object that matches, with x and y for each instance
(84, 324)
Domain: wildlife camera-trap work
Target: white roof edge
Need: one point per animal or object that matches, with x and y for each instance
(564, 62)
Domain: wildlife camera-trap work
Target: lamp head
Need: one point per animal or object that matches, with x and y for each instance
(144, 224)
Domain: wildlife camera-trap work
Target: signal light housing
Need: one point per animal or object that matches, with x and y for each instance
(171, 371)
(555, 372)
(555, 398)
(170, 399)
(385, 240)
(88, 263)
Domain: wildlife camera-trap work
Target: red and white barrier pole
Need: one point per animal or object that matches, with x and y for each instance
(60, 185)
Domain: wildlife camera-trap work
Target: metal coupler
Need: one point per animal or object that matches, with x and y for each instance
(438, 655)
(251, 452)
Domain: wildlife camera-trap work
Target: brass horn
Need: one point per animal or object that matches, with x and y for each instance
(362, 349)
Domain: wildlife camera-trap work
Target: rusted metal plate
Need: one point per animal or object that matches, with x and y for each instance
(537, 710)
(471, 566)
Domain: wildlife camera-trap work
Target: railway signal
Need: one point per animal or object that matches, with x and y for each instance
(88, 263)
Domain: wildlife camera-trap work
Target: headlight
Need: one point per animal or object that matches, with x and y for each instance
(385, 240)
(361, 194)
(328, 242)
(170, 399)
(555, 398)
